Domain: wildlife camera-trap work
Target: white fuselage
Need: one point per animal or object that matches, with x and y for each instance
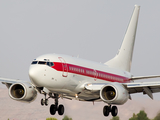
(68, 75)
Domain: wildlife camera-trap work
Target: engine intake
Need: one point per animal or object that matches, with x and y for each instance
(22, 92)
(114, 94)
(109, 93)
(17, 91)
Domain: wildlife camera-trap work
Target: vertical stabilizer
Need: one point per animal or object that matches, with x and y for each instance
(123, 59)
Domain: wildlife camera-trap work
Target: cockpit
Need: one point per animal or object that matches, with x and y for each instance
(43, 63)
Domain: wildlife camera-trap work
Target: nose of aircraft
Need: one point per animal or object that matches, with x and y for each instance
(34, 74)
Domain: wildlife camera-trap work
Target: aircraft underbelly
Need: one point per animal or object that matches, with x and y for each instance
(64, 93)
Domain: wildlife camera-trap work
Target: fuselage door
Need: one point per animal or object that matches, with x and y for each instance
(64, 67)
(95, 75)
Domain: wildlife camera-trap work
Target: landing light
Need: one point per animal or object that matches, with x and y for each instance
(76, 95)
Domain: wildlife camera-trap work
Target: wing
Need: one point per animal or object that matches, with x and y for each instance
(145, 87)
(9, 82)
(137, 87)
(20, 90)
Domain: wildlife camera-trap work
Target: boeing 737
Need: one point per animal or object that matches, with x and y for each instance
(62, 76)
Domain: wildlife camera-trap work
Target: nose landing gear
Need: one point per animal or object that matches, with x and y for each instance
(44, 101)
(54, 107)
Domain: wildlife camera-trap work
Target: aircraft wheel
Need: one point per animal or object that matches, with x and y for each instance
(106, 110)
(61, 110)
(114, 111)
(42, 101)
(53, 109)
(46, 102)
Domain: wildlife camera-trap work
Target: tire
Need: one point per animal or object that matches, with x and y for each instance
(46, 102)
(114, 111)
(61, 110)
(42, 102)
(106, 111)
(52, 109)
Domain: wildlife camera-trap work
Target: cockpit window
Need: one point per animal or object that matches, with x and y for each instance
(50, 64)
(34, 62)
(42, 62)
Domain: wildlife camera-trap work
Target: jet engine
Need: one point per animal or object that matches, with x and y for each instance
(114, 94)
(22, 92)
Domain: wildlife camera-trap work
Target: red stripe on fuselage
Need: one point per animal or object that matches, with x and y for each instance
(90, 73)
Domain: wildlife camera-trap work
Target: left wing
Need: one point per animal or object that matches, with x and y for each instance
(145, 87)
(137, 87)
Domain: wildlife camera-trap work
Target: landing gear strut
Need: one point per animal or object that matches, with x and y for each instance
(108, 109)
(44, 101)
(53, 107)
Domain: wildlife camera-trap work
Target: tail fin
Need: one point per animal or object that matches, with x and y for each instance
(123, 59)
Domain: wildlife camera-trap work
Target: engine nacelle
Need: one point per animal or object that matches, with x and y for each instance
(114, 93)
(22, 92)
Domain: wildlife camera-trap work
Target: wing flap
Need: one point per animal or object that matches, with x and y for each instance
(145, 87)
(148, 92)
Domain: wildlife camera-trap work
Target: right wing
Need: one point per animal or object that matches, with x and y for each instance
(20, 90)
(9, 82)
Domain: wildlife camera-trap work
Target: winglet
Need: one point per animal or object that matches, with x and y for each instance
(123, 59)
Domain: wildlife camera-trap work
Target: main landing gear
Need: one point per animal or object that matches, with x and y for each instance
(108, 109)
(54, 107)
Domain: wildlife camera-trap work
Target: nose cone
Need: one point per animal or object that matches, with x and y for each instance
(34, 75)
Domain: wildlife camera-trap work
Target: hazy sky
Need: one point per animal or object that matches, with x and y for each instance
(92, 29)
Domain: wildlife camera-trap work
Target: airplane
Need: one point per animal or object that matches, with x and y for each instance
(62, 76)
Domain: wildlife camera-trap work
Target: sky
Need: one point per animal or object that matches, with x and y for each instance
(90, 29)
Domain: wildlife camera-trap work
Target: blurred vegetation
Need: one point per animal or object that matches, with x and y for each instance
(115, 118)
(142, 115)
(51, 118)
(157, 117)
(66, 118)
